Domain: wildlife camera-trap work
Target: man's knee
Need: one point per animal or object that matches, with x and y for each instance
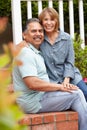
(79, 93)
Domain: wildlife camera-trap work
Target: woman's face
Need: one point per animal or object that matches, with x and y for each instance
(48, 23)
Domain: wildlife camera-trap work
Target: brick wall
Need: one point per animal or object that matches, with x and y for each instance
(67, 120)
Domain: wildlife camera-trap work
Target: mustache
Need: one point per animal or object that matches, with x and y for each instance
(40, 37)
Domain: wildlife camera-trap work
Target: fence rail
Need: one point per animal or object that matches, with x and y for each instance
(17, 16)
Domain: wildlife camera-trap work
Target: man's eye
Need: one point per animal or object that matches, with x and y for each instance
(33, 31)
(41, 31)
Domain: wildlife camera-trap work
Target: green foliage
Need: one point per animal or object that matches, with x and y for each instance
(9, 111)
(80, 56)
(8, 119)
(4, 60)
(24, 12)
(5, 10)
(4, 7)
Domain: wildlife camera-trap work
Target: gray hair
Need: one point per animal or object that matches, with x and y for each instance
(31, 20)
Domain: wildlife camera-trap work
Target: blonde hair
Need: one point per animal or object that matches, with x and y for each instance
(53, 14)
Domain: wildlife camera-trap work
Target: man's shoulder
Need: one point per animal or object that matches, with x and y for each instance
(25, 53)
(26, 50)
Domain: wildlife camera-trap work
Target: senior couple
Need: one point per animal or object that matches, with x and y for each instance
(50, 83)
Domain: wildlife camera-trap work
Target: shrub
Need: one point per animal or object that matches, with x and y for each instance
(80, 56)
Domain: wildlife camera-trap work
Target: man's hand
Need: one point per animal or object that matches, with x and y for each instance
(68, 87)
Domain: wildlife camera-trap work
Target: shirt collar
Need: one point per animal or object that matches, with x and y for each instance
(62, 35)
(34, 49)
(59, 38)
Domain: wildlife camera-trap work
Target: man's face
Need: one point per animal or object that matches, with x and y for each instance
(35, 34)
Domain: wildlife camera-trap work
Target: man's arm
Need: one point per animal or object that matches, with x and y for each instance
(37, 84)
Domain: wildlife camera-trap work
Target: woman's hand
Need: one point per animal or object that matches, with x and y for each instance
(66, 82)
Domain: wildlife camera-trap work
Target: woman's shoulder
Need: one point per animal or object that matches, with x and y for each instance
(65, 34)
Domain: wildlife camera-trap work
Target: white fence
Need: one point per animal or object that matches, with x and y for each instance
(17, 17)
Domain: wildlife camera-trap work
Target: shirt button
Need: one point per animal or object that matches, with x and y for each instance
(52, 63)
(55, 72)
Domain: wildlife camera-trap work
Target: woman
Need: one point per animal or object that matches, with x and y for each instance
(58, 52)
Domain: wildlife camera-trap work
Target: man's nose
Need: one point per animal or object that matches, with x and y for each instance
(38, 32)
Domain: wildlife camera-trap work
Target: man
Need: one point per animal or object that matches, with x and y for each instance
(38, 94)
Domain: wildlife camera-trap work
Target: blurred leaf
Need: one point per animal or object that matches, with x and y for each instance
(9, 111)
(4, 60)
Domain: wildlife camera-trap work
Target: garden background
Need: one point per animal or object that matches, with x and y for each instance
(9, 112)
